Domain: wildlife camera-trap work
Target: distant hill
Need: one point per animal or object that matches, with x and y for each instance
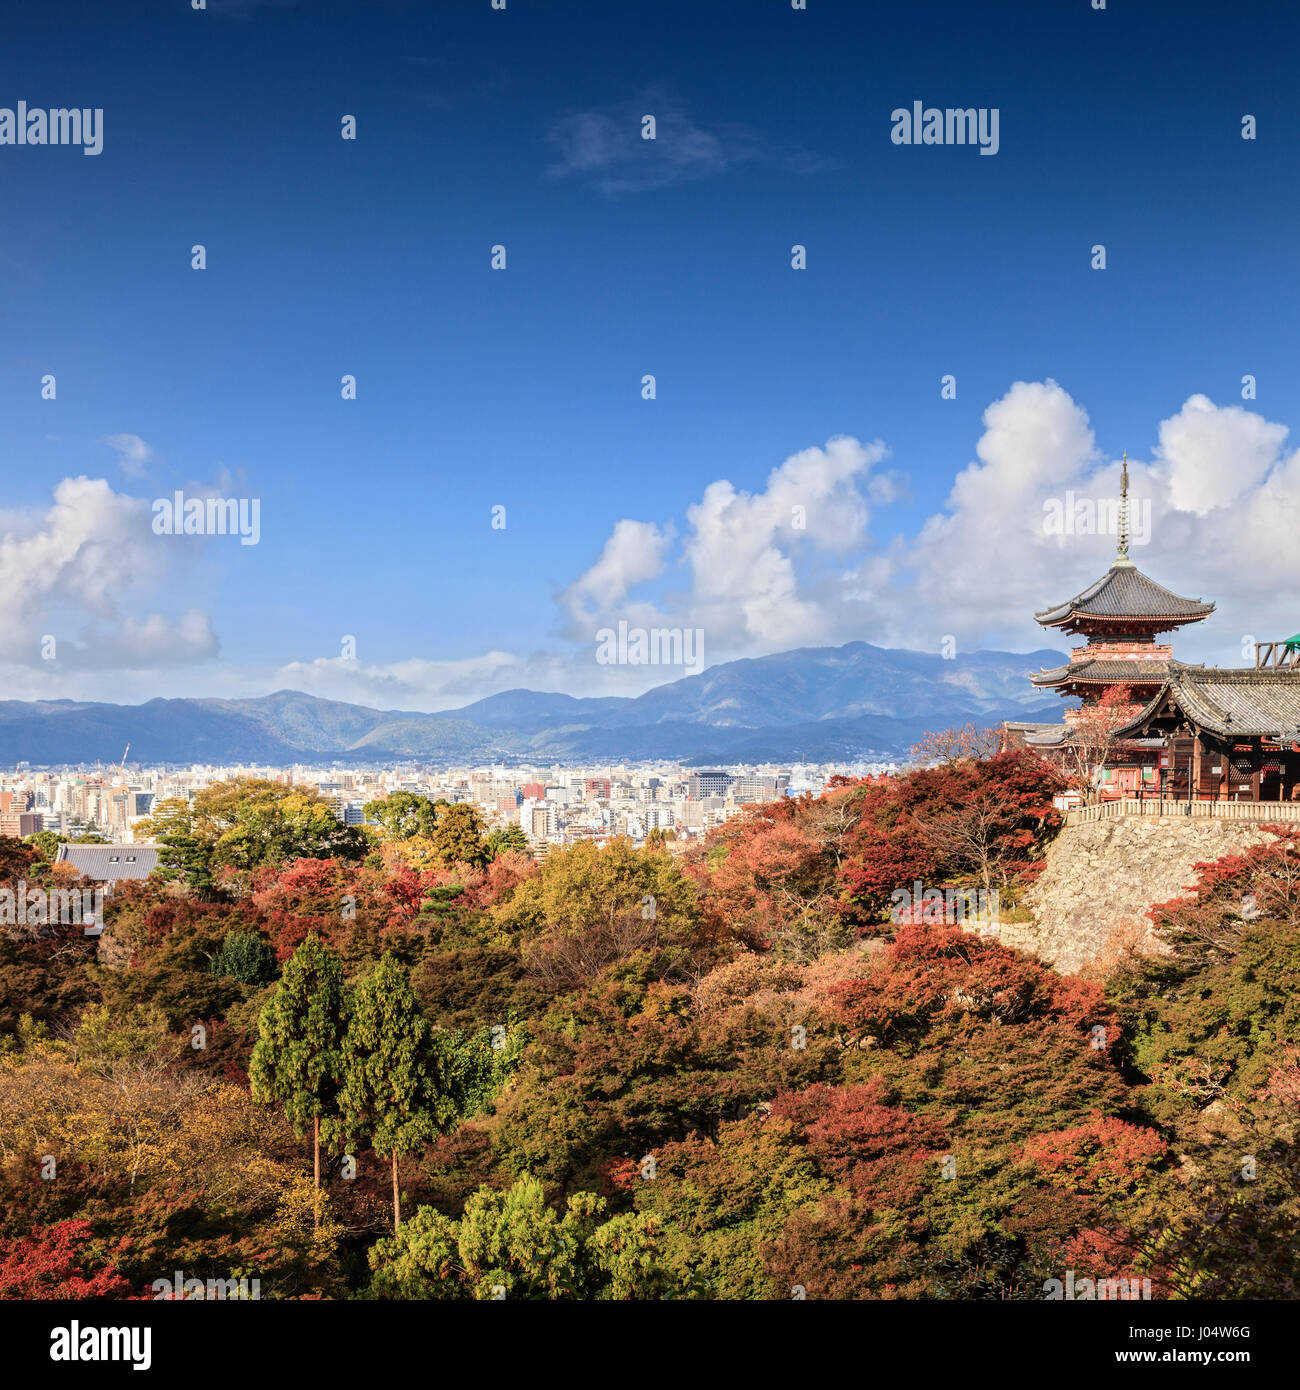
(817, 703)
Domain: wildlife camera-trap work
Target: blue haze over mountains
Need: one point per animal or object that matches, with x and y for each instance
(814, 704)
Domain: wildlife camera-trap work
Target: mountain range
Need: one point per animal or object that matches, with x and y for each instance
(817, 703)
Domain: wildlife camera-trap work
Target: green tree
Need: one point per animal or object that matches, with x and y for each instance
(470, 1069)
(169, 815)
(246, 957)
(458, 837)
(298, 1057)
(507, 837)
(218, 807)
(403, 814)
(244, 824)
(589, 884)
(45, 843)
(291, 827)
(514, 1243)
(186, 857)
(389, 1093)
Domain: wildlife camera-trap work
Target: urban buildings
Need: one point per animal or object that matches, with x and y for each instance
(553, 805)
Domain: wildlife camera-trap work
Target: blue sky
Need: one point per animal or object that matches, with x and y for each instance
(522, 388)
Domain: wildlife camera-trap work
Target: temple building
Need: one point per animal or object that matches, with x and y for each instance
(1186, 731)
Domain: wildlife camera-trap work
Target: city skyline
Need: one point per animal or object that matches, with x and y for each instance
(553, 804)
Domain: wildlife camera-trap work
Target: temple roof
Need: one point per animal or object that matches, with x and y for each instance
(1047, 736)
(1119, 672)
(1062, 735)
(1032, 730)
(1245, 703)
(1124, 592)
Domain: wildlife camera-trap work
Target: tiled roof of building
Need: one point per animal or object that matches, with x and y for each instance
(1062, 735)
(108, 863)
(1103, 672)
(1125, 592)
(1019, 733)
(1048, 736)
(1244, 703)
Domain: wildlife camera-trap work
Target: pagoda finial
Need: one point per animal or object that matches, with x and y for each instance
(1121, 557)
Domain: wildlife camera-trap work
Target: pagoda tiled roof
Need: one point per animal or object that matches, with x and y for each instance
(1231, 703)
(1103, 672)
(1124, 592)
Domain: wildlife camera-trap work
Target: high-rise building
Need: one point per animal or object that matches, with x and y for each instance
(708, 783)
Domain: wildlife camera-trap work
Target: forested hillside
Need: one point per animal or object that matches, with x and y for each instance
(730, 1071)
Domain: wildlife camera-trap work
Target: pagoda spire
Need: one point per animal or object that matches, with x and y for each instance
(1121, 557)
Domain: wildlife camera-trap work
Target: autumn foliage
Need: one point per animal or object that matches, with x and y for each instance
(717, 1070)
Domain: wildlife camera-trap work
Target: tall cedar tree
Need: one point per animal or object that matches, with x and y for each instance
(298, 1057)
(389, 1093)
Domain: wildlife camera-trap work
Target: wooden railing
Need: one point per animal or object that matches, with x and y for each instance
(1268, 812)
(1276, 654)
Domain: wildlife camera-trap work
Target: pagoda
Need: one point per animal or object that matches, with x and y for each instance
(1191, 732)
(1120, 616)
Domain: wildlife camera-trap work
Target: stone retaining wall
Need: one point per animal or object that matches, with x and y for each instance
(1100, 879)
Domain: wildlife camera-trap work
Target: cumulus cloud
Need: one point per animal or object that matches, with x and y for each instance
(742, 548)
(1215, 513)
(1219, 499)
(757, 571)
(144, 643)
(66, 572)
(1210, 456)
(133, 454)
(633, 554)
(980, 565)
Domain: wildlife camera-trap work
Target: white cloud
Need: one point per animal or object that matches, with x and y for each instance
(742, 549)
(1222, 500)
(1209, 456)
(406, 685)
(65, 574)
(145, 643)
(802, 560)
(760, 571)
(980, 568)
(603, 146)
(133, 454)
(633, 554)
